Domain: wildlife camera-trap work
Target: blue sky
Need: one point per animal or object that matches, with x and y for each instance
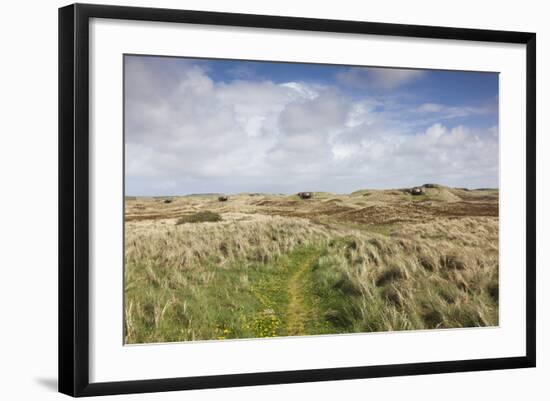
(196, 125)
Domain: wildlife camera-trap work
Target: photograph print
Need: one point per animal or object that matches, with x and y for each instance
(274, 199)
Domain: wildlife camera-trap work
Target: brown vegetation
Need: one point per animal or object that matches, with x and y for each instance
(369, 261)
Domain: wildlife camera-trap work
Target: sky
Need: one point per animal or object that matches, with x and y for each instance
(230, 126)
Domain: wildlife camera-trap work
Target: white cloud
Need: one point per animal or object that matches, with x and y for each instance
(378, 78)
(305, 91)
(186, 133)
(430, 108)
(441, 111)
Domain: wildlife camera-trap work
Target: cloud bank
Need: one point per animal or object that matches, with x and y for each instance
(378, 78)
(188, 133)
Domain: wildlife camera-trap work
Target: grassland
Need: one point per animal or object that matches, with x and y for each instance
(263, 265)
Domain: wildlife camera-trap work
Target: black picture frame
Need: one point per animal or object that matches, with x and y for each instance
(74, 201)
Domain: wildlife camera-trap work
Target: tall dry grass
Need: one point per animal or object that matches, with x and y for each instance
(442, 274)
(183, 282)
(193, 281)
(188, 246)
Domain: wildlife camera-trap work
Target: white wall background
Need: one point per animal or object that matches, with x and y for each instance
(28, 225)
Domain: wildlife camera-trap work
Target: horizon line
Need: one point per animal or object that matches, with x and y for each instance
(320, 191)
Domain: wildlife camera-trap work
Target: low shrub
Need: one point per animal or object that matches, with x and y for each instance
(199, 217)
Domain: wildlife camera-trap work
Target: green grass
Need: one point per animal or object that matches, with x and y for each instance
(199, 217)
(226, 303)
(280, 276)
(399, 295)
(246, 300)
(338, 286)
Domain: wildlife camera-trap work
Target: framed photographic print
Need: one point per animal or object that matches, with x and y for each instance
(250, 199)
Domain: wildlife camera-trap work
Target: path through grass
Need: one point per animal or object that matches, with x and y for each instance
(300, 309)
(245, 300)
(289, 303)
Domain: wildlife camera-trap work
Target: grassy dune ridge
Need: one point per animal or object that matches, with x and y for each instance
(276, 265)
